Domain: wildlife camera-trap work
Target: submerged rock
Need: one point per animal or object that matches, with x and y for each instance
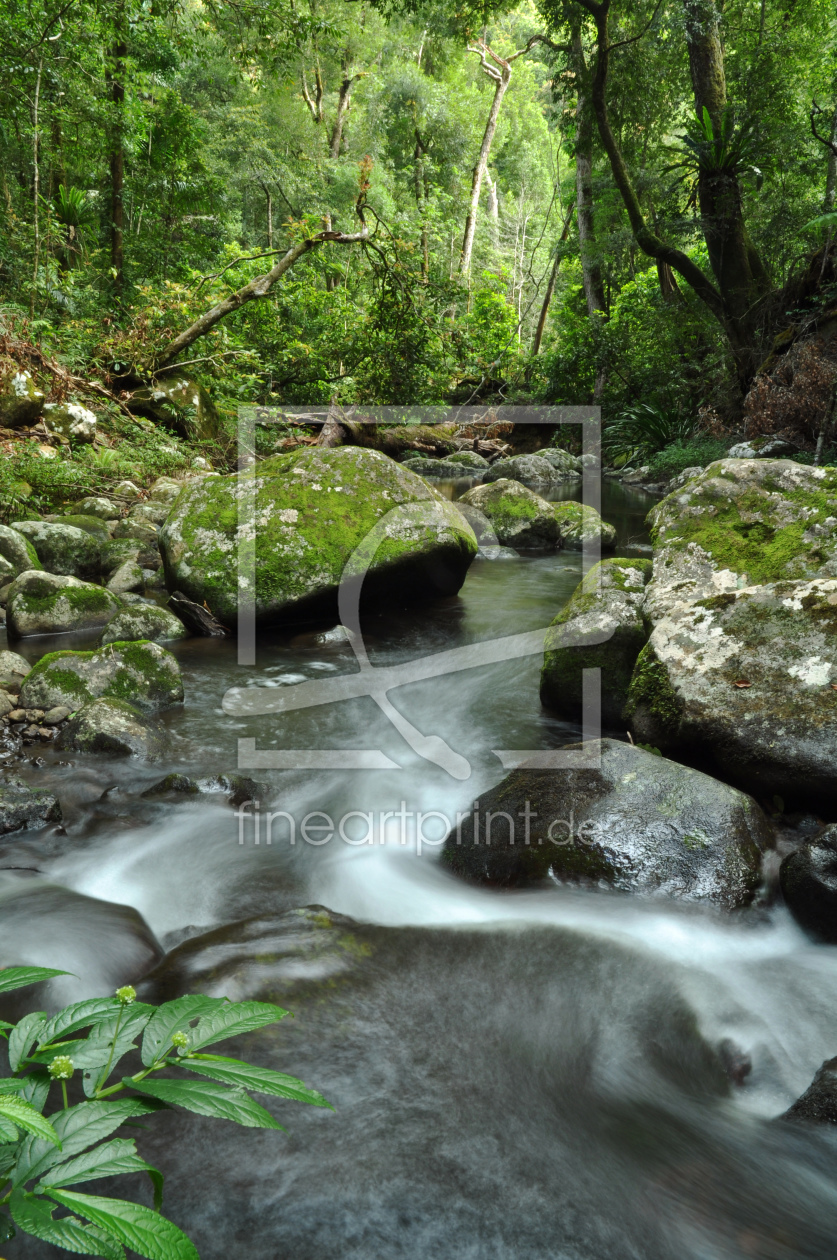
(144, 621)
(63, 549)
(579, 524)
(45, 603)
(313, 510)
(818, 1105)
(601, 627)
(17, 552)
(637, 823)
(24, 807)
(809, 884)
(518, 516)
(141, 674)
(113, 727)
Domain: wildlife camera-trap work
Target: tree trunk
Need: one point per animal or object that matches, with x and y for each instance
(116, 82)
(501, 82)
(831, 169)
(550, 288)
(344, 104)
(36, 186)
(584, 120)
(493, 210)
(269, 199)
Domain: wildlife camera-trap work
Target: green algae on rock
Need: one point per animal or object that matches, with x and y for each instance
(518, 516)
(313, 512)
(144, 621)
(601, 627)
(47, 603)
(113, 727)
(638, 822)
(63, 549)
(579, 524)
(140, 673)
(17, 551)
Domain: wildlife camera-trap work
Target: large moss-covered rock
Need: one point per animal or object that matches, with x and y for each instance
(181, 403)
(95, 505)
(579, 524)
(17, 552)
(63, 549)
(744, 679)
(113, 727)
(569, 466)
(23, 807)
(90, 524)
(639, 823)
(601, 627)
(21, 401)
(70, 420)
(531, 470)
(144, 621)
(46, 603)
(743, 522)
(312, 511)
(140, 673)
(468, 459)
(519, 517)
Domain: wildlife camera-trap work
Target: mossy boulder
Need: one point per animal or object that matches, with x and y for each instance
(518, 516)
(71, 421)
(178, 401)
(23, 807)
(63, 549)
(21, 402)
(569, 466)
(151, 512)
(443, 469)
(90, 524)
(530, 470)
(579, 524)
(141, 673)
(95, 505)
(468, 459)
(743, 522)
(602, 627)
(636, 822)
(144, 621)
(17, 552)
(47, 603)
(745, 680)
(112, 727)
(313, 511)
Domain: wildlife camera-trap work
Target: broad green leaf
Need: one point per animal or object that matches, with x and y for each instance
(138, 1227)
(7, 1229)
(208, 1099)
(90, 1013)
(34, 1216)
(174, 1017)
(8, 1132)
(95, 1052)
(233, 1020)
(108, 1160)
(258, 1079)
(12, 1084)
(24, 1036)
(78, 1127)
(19, 977)
(24, 1115)
(36, 1088)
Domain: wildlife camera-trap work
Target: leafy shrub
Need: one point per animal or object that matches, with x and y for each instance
(644, 429)
(42, 1155)
(671, 461)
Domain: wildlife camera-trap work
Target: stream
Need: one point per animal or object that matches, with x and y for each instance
(516, 1075)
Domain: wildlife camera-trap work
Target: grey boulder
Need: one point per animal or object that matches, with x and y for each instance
(144, 621)
(112, 727)
(23, 807)
(141, 674)
(45, 603)
(63, 549)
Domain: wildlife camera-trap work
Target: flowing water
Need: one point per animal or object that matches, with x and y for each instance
(534, 1074)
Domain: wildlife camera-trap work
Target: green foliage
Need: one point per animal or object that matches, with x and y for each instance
(43, 1152)
(695, 452)
(643, 430)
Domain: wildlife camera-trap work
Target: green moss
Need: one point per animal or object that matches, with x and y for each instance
(650, 689)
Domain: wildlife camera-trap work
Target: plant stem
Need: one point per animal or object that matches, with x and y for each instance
(64, 1092)
(106, 1072)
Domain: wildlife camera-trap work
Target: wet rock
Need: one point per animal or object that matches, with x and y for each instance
(113, 727)
(21, 402)
(17, 552)
(517, 516)
(180, 403)
(70, 420)
(128, 577)
(23, 807)
(197, 618)
(313, 510)
(179, 783)
(142, 674)
(579, 524)
(637, 823)
(44, 603)
(531, 470)
(601, 627)
(745, 679)
(818, 1105)
(809, 884)
(144, 621)
(63, 549)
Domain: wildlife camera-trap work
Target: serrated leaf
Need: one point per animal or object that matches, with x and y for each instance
(81, 1015)
(24, 1036)
(8, 1132)
(138, 1227)
(233, 1020)
(95, 1052)
(258, 1079)
(34, 1216)
(174, 1017)
(12, 1084)
(36, 1088)
(111, 1159)
(24, 1115)
(19, 977)
(78, 1127)
(208, 1099)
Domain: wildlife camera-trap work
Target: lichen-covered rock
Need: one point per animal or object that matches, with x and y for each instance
(142, 532)
(90, 524)
(745, 679)
(443, 469)
(96, 506)
(179, 402)
(763, 448)
(23, 807)
(144, 621)
(11, 663)
(742, 522)
(126, 490)
(70, 420)
(63, 549)
(809, 884)
(468, 459)
(518, 516)
(150, 512)
(602, 627)
(570, 466)
(17, 552)
(531, 470)
(140, 673)
(128, 577)
(638, 823)
(579, 524)
(313, 510)
(47, 603)
(165, 490)
(21, 401)
(113, 727)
